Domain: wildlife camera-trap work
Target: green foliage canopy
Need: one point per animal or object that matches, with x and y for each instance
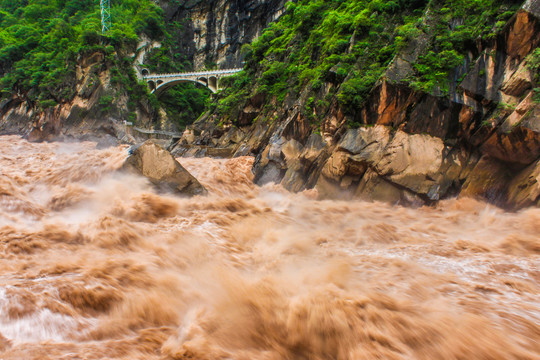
(40, 41)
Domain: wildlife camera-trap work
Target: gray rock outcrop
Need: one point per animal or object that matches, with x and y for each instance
(162, 169)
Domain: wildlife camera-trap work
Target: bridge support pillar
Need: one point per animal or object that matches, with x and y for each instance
(213, 83)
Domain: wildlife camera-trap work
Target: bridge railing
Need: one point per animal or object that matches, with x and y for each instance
(192, 74)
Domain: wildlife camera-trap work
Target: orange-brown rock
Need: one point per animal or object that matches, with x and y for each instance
(523, 35)
(413, 147)
(521, 145)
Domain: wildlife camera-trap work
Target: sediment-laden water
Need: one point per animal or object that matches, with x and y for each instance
(96, 265)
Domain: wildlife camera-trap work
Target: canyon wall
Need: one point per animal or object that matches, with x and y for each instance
(91, 115)
(404, 146)
(213, 32)
(483, 140)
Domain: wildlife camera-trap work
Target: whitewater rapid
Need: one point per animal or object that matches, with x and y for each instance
(96, 265)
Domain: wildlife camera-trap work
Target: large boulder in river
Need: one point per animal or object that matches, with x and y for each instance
(162, 169)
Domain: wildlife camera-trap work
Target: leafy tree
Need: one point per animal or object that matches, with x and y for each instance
(41, 39)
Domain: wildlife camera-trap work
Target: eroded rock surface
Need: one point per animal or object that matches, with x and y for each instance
(162, 169)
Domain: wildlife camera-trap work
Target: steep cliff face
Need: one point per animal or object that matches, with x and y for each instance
(213, 32)
(61, 75)
(93, 114)
(481, 140)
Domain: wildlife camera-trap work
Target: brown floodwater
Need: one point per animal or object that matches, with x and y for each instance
(96, 265)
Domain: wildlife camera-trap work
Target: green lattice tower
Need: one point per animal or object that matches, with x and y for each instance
(105, 15)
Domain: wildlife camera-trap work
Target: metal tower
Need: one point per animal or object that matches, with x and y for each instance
(105, 15)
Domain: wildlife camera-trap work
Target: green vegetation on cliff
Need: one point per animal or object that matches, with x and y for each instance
(42, 42)
(534, 65)
(336, 50)
(319, 52)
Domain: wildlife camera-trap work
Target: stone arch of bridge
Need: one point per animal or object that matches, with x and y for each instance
(210, 82)
(160, 86)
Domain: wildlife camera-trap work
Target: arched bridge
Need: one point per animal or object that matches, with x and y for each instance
(210, 79)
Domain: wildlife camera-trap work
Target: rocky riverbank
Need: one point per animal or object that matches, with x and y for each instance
(482, 140)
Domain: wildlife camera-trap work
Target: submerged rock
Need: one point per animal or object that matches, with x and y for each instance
(162, 169)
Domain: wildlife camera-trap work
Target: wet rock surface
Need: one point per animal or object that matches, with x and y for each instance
(162, 169)
(524, 190)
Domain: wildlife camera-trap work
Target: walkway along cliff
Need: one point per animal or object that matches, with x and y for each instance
(411, 147)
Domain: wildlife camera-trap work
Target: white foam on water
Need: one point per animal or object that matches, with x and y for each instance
(42, 325)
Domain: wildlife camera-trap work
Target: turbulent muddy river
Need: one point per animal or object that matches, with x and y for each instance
(96, 265)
